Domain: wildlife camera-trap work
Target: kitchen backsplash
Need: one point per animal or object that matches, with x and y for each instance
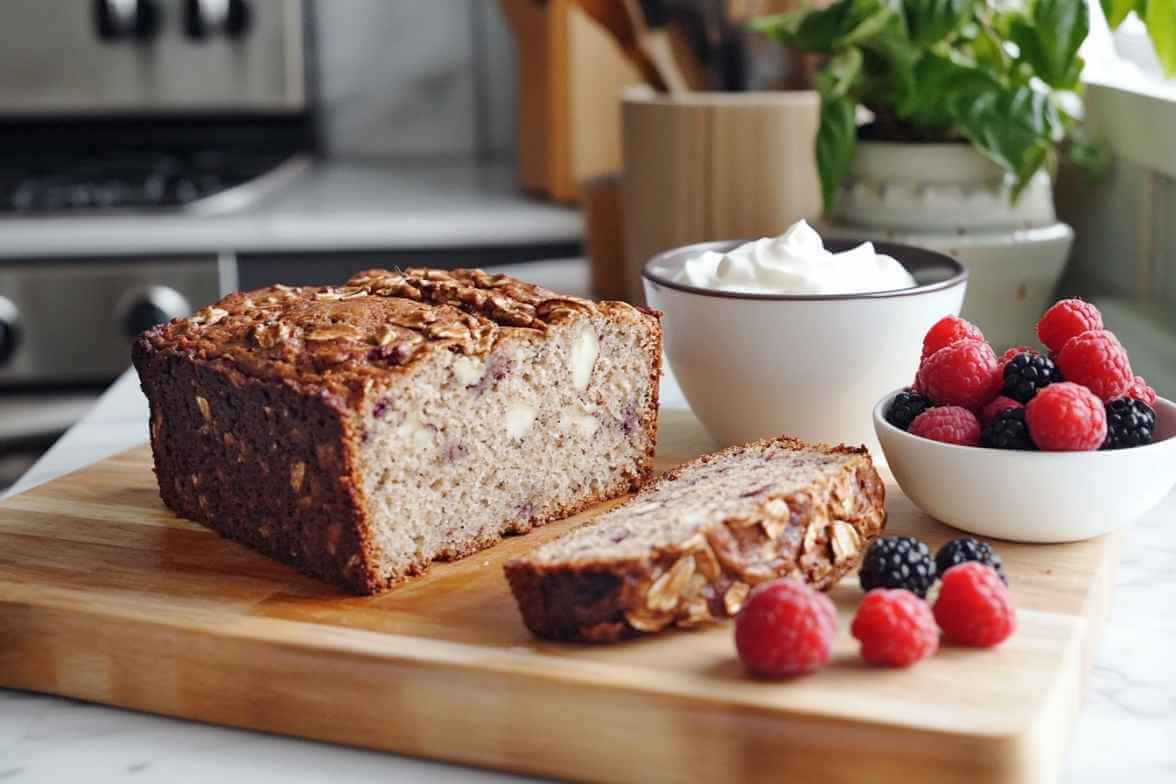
(401, 78)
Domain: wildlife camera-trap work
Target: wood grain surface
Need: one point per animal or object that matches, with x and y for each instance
(106, 596)
(705, 166)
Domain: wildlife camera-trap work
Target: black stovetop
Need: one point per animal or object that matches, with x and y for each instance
(76, 165)
(99, 179)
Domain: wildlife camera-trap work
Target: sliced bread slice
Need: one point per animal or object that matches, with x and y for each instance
(687, 549)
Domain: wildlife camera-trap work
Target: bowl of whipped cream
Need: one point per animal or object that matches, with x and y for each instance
(797, 334)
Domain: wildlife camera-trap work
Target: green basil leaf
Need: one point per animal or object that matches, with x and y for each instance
(985, 50)
(841, 24)
(871, 18)
(786, 29)
(1161, 28)
(934, 79)
(1011, 126)
(892, 56)
(1049, 41)
(836, 139)
(809, 31)
(1116, 11)
(930, 21)
(840, 74)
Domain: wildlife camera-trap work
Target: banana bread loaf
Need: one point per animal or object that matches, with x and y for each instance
(361, 432)
(687, 549)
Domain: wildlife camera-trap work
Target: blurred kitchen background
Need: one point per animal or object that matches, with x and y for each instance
(156, 154)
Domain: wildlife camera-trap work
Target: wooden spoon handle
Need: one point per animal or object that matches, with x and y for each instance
(625, 21)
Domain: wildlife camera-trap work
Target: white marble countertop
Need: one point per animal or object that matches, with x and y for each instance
(333, 206)
(1126, 730)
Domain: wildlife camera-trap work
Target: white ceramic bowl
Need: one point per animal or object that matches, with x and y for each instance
(1032, 496)
(758, 365)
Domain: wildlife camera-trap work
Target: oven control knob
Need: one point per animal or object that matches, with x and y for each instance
(203, 18)
(9, 330)
(122, 19)
(150, 306)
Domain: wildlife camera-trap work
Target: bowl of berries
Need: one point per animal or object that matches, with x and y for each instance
(1055, 444)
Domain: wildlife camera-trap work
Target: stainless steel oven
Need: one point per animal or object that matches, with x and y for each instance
(178, 109)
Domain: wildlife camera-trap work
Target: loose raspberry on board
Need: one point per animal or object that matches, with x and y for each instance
(895, 627)
(785, 628)
(974, 606)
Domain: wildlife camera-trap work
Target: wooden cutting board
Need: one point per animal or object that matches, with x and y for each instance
(106, 596)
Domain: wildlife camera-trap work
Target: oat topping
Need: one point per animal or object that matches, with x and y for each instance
(380, 321)
(692, 545)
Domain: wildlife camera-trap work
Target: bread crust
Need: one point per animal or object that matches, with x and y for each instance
(260, 441)
(259, 462)
(818, 535)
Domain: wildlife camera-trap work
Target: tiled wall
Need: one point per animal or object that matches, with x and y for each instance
(415, 77)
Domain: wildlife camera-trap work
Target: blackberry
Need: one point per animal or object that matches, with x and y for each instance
(898, 562)
(1007, 431)
(1026, 373)
(905, 407)
(965, 549)
(1129, 423)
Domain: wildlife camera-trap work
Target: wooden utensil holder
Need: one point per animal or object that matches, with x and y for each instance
(711, 166)
(571, 75)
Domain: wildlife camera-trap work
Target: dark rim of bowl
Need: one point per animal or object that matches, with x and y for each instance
(915, 259)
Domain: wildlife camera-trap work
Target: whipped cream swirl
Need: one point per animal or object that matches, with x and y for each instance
(796, 262)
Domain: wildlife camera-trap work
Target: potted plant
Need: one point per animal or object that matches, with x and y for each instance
(971, 103)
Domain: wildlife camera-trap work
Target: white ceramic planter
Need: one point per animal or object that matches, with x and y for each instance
(949, 198)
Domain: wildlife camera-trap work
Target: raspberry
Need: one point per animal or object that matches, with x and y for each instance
(896, 628)
(1097, 360)
(1139, 390)
(785, 628)
(989, 412)
(948, 330)
(974, 607)
(962, 374)
(1066, 417)
(1067, 318)
(897, 562)
(949, 424)
(905, 407)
